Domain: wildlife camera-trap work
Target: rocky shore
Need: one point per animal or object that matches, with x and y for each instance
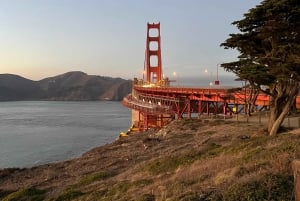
(186, 160)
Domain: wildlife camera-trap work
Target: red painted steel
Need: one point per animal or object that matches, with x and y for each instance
(179, 102)
(153, 53)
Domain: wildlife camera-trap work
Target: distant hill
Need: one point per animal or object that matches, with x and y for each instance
(70, 86)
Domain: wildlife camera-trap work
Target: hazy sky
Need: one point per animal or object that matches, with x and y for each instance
(42, 38)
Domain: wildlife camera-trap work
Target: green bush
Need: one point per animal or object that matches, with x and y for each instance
(29, 194)
(146, 197)
(95, 177)
(69, 194)
(270, 187)
(163, 165)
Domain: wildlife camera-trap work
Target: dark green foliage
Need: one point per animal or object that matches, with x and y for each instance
(169, 164)
(29, 194)
(191, 196)
(269, 46)
(147, 197)
(164, 165)
(270, 187)
(95, 177)
(69, 195)
(4, 193)
(118, 190)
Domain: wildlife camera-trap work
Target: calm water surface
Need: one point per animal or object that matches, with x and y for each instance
(34, 132)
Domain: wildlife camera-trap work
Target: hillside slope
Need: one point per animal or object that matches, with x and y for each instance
(14, 87)
(187, 160)
(69, 86)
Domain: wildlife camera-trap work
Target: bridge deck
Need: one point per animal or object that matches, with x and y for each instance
(205, 94)
(184, 101)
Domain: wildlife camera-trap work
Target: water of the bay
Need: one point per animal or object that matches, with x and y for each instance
(39, 132)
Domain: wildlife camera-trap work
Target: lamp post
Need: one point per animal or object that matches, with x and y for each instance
(175, 76)
(217, 82)
(210, 78)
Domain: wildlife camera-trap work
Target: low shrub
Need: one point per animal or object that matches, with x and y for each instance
(146, 197)
(29, 194)
(269, 187)
(69, 195)
(95, 177)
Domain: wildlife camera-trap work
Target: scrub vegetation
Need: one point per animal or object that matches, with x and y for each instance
(186, 160)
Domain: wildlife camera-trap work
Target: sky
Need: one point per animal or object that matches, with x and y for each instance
(44, 38)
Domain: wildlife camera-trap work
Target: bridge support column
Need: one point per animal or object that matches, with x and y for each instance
(225, 109)
(207, 108)
(199, 108)
(135, 118)
(189, 108)
(153, 70)
(160, 120)
(178, 113)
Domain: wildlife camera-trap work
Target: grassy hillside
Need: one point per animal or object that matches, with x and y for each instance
(71, 86)
(189, 160)
(14, 87)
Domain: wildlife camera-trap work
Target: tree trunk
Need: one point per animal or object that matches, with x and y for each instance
(280, 106)
(294, 108)
(274, 127)
(253, 100)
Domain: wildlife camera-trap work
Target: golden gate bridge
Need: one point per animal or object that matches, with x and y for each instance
(154, 102)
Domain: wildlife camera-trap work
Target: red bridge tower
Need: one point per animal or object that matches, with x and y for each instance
(153, 65)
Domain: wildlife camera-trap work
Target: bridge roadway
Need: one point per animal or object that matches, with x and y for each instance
(178, 102)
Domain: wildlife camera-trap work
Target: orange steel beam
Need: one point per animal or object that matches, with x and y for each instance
(205, 94)
(180, 102)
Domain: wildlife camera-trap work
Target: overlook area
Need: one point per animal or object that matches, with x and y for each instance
(189, 159)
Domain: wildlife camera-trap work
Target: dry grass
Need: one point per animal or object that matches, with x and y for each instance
(187, 160)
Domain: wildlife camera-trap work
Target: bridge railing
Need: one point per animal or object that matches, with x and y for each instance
(134, 103)
(182, 90)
